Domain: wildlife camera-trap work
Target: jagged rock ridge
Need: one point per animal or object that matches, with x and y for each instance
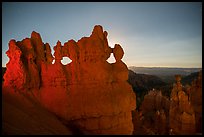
(90, 92)
(181, 114)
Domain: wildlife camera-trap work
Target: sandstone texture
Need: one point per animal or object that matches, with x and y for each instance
(195, 95)
(154, 112)
(179, 115)
(89, 92)
(181, 112)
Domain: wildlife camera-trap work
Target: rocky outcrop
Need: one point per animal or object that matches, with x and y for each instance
(142, 83)
(15, 78)
(153, 114)
(181, 113)
(91, 93)
(195, 95)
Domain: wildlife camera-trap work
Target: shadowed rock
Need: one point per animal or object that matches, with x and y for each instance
(181, 112)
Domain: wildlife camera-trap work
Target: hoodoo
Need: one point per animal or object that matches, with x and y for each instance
(89, 92)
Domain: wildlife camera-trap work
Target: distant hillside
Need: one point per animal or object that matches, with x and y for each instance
(143, 82)
(166, 90)
(166, 74)
(163, 71)
(188, 79)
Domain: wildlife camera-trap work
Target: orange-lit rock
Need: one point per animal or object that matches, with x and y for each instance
(120, 70)
(29, 57)
(39, 48)
(89, 92)
(15, 78)
(181, 113)
(48, 55)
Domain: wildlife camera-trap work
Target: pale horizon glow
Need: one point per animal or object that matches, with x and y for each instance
(152, 34)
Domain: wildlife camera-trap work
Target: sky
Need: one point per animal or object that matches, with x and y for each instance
(152, 34)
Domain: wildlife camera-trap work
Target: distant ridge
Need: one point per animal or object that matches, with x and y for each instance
(164, 71)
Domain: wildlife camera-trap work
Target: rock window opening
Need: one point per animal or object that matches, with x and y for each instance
(66, 60)
(111, 59)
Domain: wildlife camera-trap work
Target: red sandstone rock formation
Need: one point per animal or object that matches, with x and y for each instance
(15, 78)
(181, 113)
(90, 92)
(195, 93)
(153, 114)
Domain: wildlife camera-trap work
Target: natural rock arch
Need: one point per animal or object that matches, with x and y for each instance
(111, 59)
(90, 92)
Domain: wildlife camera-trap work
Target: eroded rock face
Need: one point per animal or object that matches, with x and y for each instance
(154, 113)
(15, 78)
(90, 92)
(181, 113)
(195, 93)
